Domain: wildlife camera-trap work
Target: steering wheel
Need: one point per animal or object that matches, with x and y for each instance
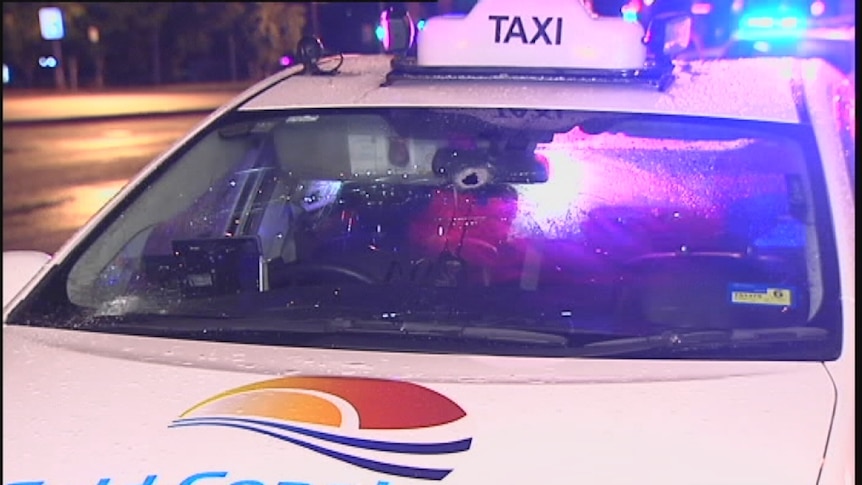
(303, 273)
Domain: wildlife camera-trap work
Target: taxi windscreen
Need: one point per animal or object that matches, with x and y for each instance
(489, 231)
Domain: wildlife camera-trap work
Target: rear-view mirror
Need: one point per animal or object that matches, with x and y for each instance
(473, 168)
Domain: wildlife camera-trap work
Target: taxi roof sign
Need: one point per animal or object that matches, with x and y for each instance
(547, 34)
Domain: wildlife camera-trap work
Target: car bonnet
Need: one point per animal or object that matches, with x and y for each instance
(101, 409)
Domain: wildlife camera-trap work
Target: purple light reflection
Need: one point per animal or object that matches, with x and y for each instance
(611, 197)
(383, 33)
(553, 207)
(590, 171)
(384, 29)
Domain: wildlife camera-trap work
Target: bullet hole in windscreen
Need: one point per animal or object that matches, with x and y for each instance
(470, 179)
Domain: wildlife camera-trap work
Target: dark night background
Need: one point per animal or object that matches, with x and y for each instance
(136, 44)
(133, 44)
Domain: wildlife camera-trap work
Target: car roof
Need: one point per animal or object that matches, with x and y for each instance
(764, 89)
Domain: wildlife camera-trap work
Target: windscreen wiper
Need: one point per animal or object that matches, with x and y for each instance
(171, 324)
(676, 341)
(447, 330)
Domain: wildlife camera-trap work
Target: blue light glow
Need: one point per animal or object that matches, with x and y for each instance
(630, 13)
(759, 27)
(48, 62)
(773, 22)
(380, 31)
(761, 46)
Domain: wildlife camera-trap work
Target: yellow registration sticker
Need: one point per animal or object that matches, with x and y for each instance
(748, 294)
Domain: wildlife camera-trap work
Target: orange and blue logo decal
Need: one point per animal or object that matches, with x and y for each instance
(346, 418)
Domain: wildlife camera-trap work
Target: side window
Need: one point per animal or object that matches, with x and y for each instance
(845, 117)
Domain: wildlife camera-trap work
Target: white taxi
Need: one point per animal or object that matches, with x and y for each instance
(528, 247)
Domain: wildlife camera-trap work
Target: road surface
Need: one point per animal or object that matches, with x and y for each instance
(66, 154)
(57, 175)
(19, 107)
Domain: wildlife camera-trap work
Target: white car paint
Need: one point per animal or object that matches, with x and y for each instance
(88, 408)
(104, 404)
(756, 89)
(27, 263)
(823, 85)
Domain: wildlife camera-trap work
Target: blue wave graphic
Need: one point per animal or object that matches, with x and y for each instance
(390, 446)
(388, 468)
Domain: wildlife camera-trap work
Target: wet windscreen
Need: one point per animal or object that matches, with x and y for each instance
(501, 231)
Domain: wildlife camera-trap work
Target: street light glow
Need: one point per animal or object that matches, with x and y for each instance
(48, 62)
(51, 23)
(93, 34)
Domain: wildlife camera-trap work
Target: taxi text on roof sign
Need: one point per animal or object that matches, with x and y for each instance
(540, 34)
